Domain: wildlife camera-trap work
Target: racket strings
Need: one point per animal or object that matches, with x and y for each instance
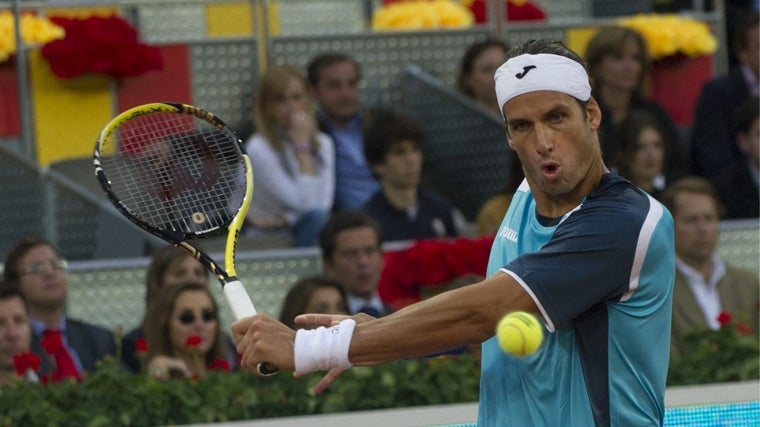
(175, 171)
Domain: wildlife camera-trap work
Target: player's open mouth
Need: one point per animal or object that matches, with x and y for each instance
(549, 169)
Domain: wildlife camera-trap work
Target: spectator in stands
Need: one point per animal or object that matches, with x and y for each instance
(705, 285)
(169, 266)
(738, 184)
(619, 65)
(643, 151)
(334, 85)
(393, 148)
(15, 331)
(40, 272)
(183, 333)
(313, 294)
(352, 256)
(294, 163)
(713, 141)
(476, 72)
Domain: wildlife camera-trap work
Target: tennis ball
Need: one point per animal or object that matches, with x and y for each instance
(519, 333)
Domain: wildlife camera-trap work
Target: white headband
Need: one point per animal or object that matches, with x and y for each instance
(530, 73)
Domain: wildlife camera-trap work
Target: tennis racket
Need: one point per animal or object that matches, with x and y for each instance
(181, 173)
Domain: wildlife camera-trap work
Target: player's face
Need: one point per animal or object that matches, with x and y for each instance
(337, 91)
(622, 70)
(402, 166)
(43, 280)
(556, 143)
(696, 223)
(326, 300)
(184, 270)
(357, 261)
(480, 81)
(193, 314)
(649, 159)
(15, 331)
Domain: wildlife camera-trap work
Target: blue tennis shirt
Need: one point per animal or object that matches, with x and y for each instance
(602, 278)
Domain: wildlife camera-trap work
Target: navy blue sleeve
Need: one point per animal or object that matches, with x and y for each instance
(589, 258)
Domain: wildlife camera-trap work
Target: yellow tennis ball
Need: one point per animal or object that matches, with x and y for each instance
(519, 333)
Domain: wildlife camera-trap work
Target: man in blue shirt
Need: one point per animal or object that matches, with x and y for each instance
(334, 85)
(582, 248)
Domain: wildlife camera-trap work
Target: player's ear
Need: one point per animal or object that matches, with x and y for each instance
(593, 113)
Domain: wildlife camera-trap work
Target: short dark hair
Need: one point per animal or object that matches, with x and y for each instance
(12, 271)
(324, 60)
(690, 184)
(468, 60)
(385, 129)
(341, 221)
(10, 290)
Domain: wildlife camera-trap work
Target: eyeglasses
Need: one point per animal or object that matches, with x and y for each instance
(44, 267)
(188, 317)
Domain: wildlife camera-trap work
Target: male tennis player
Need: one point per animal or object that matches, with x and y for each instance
(581, 247)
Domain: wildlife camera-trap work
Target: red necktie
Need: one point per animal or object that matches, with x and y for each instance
(53, 345)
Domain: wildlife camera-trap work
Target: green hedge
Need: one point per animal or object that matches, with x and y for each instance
(111, 397)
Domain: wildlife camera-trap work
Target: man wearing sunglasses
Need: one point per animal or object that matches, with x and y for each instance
(67, 347)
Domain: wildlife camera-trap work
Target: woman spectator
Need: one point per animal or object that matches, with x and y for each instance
(476, 71)
(643, 152)
(168, 266)
(619, 65)
(183, 334)
(293, 163)
(313, 294)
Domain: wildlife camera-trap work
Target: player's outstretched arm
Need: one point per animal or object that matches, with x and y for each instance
(462, 316)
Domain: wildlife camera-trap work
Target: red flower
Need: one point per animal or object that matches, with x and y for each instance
(107, 45)
(219, 364)
(51, 342)
(26, 361)
(744, 329)
(193, 341)
(141, 345)
(724, 318)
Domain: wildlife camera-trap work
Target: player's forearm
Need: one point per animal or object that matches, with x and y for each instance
(463, 316)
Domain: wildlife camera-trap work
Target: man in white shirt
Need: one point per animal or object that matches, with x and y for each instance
(705, 286)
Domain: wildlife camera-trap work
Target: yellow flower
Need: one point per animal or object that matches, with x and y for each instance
(34, 30)
(422, 14)
(670, 34)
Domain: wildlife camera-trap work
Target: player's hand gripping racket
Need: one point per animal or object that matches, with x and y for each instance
(180, 173)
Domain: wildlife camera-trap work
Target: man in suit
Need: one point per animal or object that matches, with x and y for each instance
(352, 256)
(713, 138)
(34, 264)
(705, 285)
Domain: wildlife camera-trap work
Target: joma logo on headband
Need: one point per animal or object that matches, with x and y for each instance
(525, 71)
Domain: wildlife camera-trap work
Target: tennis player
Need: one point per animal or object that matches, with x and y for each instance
(584, 249)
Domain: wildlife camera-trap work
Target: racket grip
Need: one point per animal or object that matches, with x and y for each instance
(238, 299)
(242, 306)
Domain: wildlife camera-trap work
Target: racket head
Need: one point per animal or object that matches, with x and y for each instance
(175, 170)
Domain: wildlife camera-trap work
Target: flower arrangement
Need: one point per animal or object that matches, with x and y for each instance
(430, 263)
(671, 35)
(422, 14)
(729, 354)
(100, 44)
(34, 30)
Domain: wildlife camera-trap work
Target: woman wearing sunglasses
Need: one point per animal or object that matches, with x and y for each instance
(183, 334)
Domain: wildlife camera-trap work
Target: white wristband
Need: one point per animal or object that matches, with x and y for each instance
(323, 348)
